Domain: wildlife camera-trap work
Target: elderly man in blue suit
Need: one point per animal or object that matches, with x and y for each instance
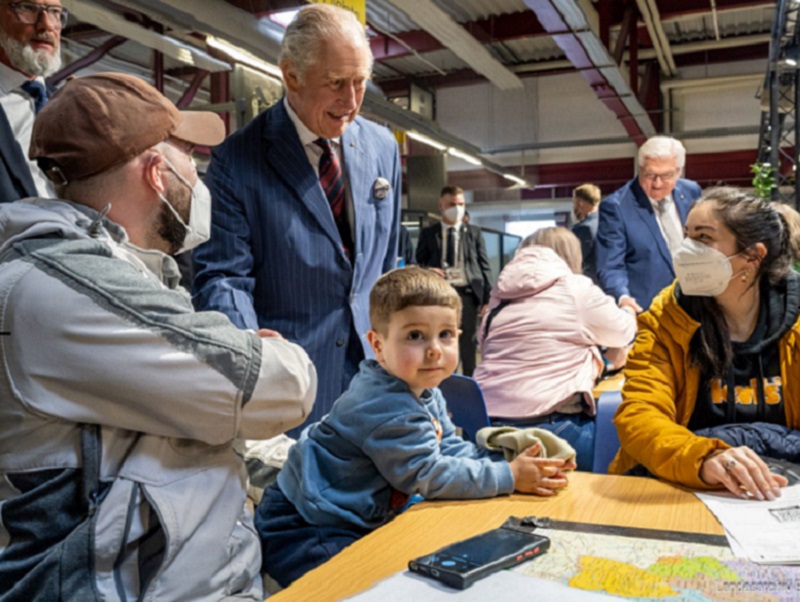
(306, 205)
(641, 225)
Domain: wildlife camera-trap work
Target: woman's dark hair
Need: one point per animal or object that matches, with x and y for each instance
(752, 220)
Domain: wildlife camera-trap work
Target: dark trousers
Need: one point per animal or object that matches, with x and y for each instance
(468, 343)
(291, 546)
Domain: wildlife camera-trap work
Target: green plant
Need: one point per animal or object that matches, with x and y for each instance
(763, 179)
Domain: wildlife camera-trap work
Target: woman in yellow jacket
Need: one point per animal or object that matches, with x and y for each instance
(719, 346)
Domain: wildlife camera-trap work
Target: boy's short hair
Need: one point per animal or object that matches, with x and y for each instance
(406, 287)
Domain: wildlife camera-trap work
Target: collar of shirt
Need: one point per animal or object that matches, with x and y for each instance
(656, 204)
(307, 137)
(11, 79)
(446, 227)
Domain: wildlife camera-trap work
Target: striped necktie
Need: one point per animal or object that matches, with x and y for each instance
(36, 90)
(332, 181)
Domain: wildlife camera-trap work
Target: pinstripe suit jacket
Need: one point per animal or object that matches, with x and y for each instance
(275, 257)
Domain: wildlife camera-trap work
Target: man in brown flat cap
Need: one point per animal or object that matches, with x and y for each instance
(119, 403)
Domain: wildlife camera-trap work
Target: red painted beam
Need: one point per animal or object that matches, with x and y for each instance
(556, 180)
(724, 55)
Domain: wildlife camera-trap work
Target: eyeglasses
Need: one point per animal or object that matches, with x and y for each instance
(664, 177)
(30, 12)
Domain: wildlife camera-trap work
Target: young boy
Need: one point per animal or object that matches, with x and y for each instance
(387, 437)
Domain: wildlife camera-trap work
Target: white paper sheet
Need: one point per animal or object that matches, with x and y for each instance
(765, 532)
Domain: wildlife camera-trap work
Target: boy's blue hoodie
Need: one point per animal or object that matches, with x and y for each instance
(379, 445)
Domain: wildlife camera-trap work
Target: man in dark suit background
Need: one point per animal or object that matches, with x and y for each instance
(641, 225)
(585, 201)
(306, 208)
(30, 40)
(457, 250)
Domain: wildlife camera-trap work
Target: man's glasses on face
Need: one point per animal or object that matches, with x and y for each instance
(30, 12)
(664, 177)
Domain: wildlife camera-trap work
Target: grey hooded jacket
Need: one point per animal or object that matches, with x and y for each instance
(97, 332)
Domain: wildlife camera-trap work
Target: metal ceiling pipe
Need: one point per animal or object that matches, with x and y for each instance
(652, 20)
(570, 28)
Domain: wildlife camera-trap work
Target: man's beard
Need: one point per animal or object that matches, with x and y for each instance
(170, 229)
(29, 61)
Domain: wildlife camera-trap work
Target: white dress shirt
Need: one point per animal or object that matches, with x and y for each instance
(669, 222)
(461, 278)
(18, 107)
(314, 153)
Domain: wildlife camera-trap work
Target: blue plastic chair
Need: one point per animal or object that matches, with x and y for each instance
(606, 440)
(465, 404)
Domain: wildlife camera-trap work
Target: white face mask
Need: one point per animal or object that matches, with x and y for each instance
(702, 271)
(454, 214)
(198, 230)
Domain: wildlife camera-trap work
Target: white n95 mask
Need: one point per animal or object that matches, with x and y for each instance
(702, 271)
(454, 213)
(198, 230)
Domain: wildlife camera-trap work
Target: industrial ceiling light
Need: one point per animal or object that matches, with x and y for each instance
(425, 140)
(244, 57)
(516, 180)
(462, 155)
(283, 17)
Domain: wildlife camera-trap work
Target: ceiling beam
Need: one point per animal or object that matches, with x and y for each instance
(499, 28)
(652, 19)
(452, 35)
(113, 23)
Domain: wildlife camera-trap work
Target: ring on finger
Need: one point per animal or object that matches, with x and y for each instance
(730, 464)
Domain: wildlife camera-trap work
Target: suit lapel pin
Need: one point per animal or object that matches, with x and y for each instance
(381, 188)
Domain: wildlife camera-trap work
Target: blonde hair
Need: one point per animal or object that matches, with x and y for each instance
(588, 193)
(407, 287)
(562, 241)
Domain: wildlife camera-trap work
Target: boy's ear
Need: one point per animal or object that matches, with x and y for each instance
(376, 342)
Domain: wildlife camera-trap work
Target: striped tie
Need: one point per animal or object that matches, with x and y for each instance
(332, 181)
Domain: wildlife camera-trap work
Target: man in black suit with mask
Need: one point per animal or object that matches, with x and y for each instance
(30, 40)
(458, 252)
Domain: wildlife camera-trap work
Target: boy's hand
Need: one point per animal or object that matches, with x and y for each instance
(542, 476)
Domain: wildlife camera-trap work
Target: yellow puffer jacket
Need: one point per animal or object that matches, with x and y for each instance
(660, 391)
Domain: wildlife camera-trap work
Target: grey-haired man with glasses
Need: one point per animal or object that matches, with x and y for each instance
(30, 50)
(641, 225)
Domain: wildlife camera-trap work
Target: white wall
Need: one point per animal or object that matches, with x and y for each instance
(561, 108)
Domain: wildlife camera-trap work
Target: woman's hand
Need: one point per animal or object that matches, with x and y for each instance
(743, 473)
(542, 476)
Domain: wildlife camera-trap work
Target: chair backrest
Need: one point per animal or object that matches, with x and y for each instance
(465, 404)
(606, 440)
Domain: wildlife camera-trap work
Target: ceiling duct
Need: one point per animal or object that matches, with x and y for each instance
(570, 29)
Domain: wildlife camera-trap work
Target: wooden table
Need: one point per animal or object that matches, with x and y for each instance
(591, 498)
(611, 383)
